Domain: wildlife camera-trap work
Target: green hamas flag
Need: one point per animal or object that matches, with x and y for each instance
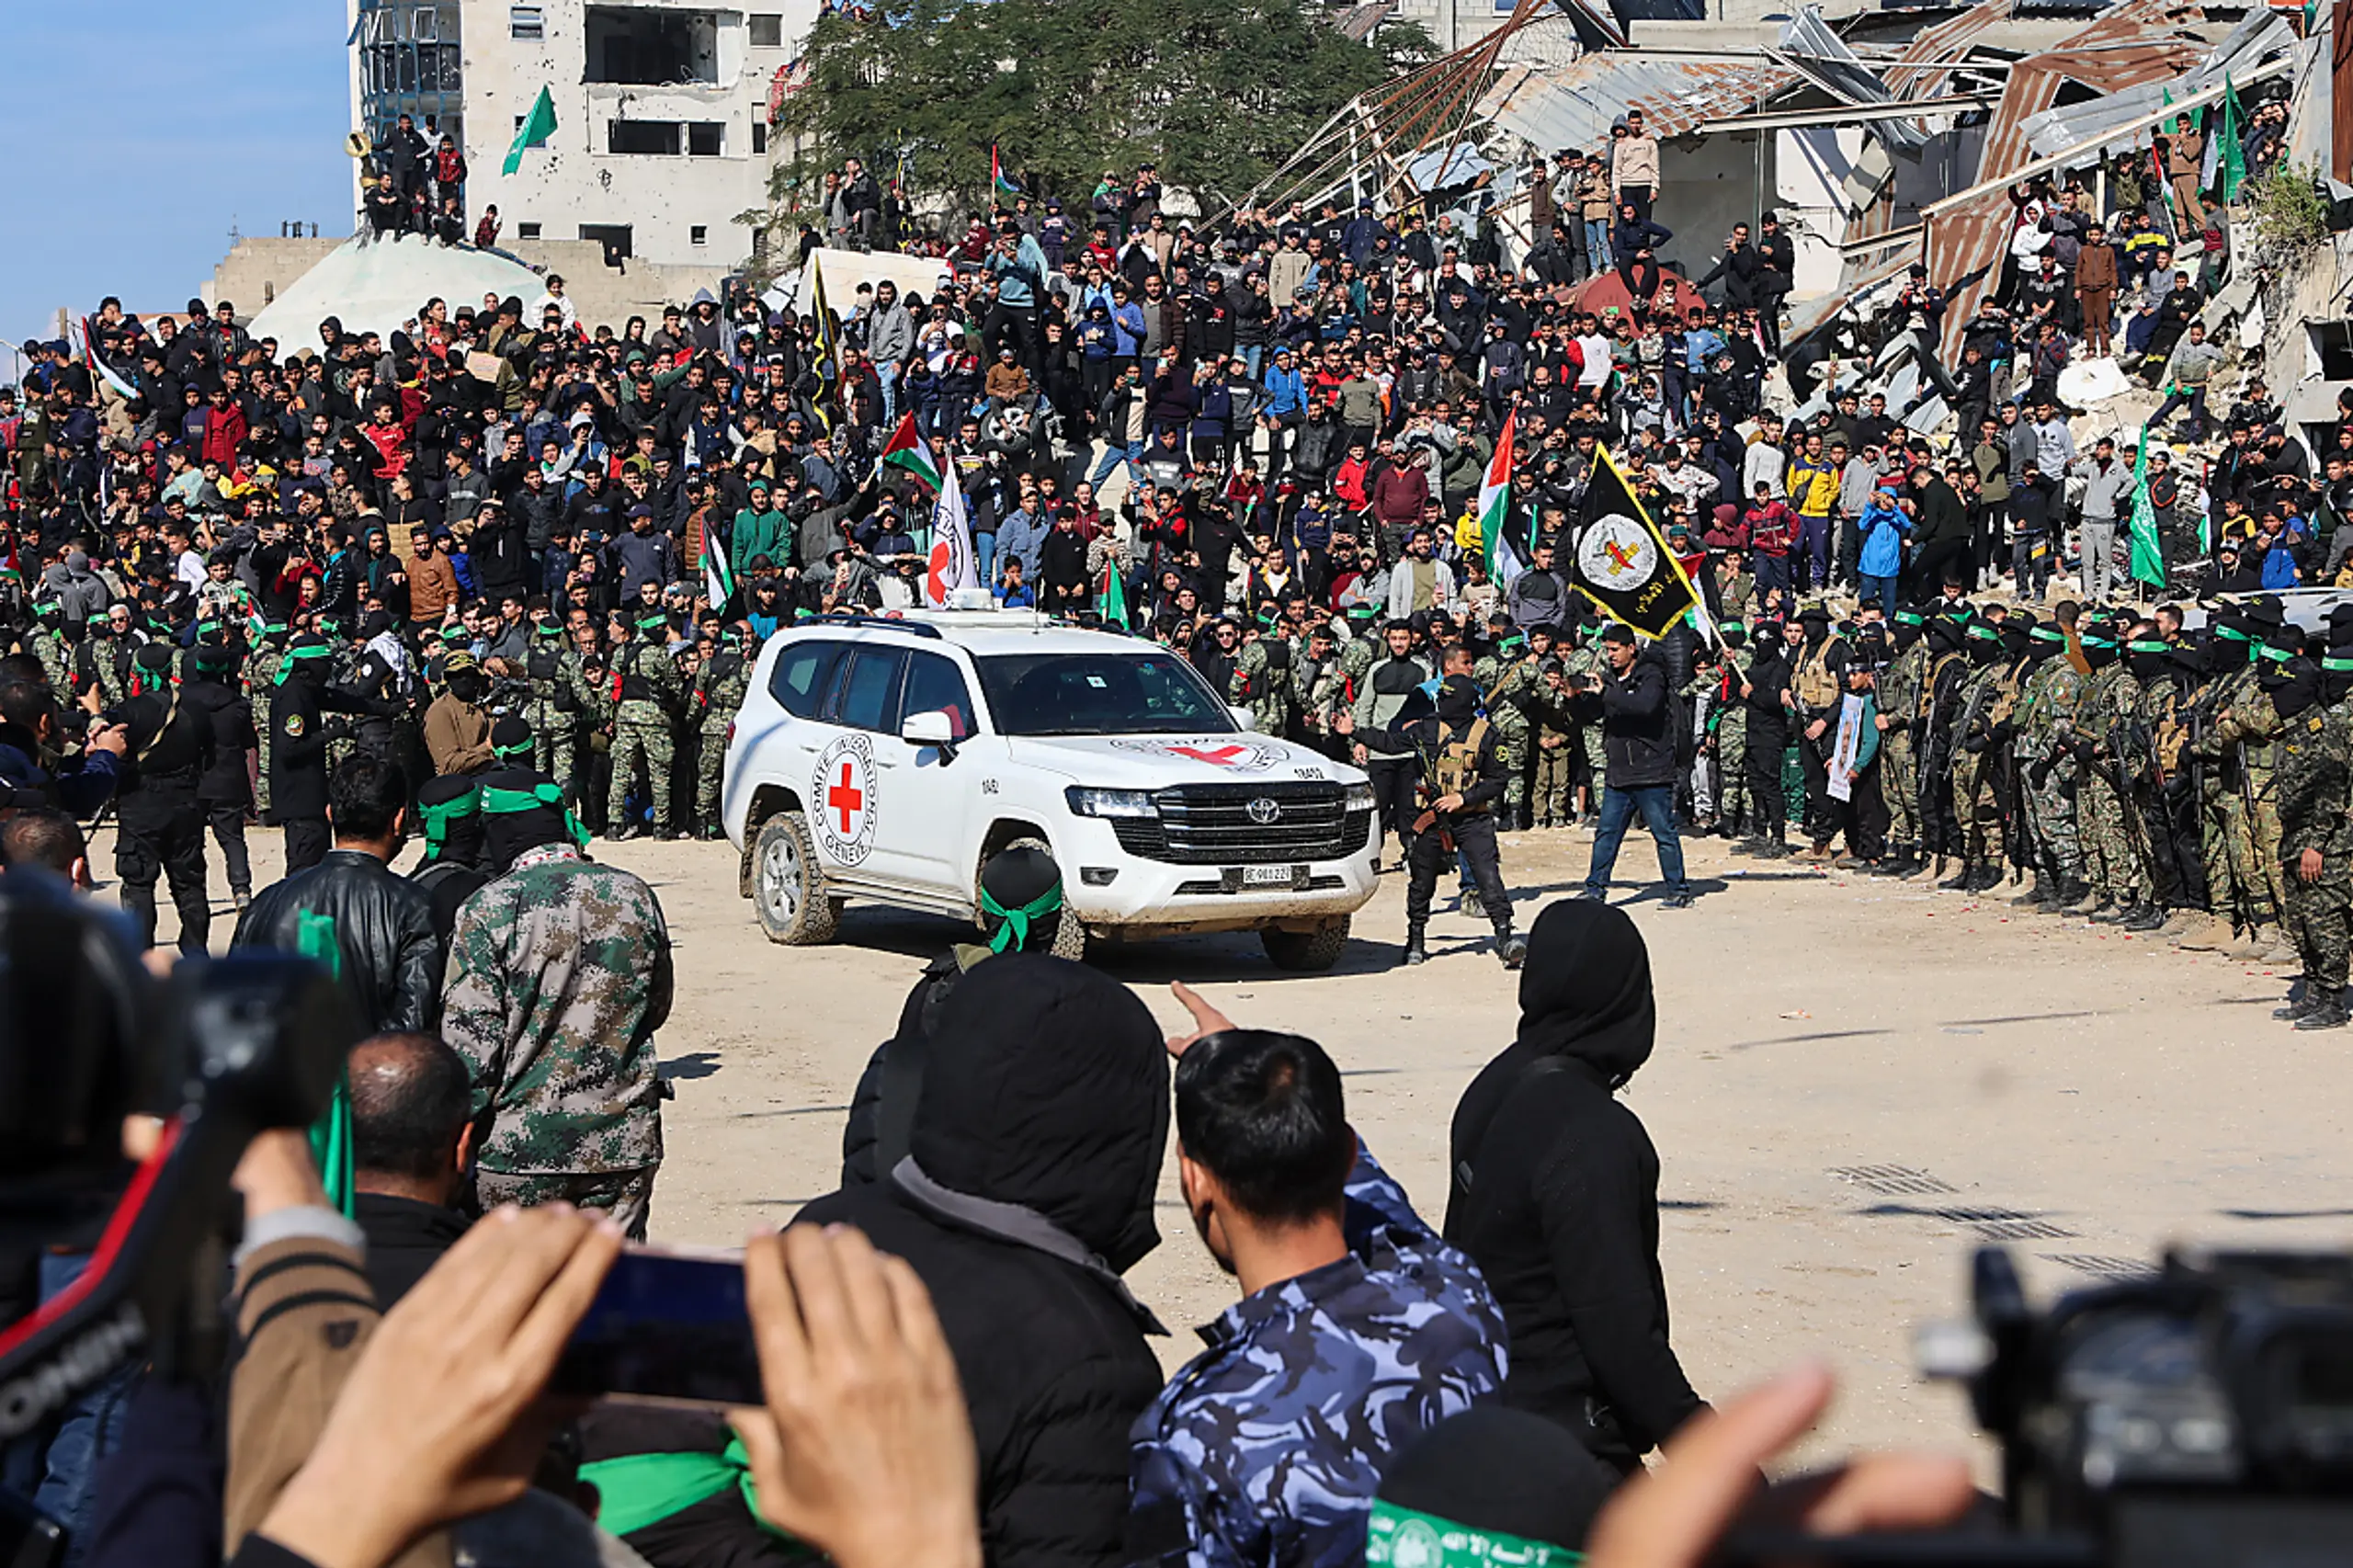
(1621, 561)
(2148, 556)
(536, 126)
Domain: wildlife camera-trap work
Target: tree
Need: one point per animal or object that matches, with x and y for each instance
(1217, 93)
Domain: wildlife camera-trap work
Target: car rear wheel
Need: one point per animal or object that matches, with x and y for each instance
(1309, 951)
(1069, 937)
(787, 890)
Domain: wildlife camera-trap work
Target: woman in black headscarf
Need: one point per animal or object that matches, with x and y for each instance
(1555, 1192)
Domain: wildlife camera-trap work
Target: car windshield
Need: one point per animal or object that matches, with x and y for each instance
(1100, 694)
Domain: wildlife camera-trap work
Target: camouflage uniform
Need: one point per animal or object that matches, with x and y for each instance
(1899, 771)
(1268, 1446)
(343, 671)
(1358, 654)
(2113, 862)
(719, 690)
(561, 701)
(1584, 662)
(1261, 682)
(1556, 734)
(559, 974)
(647, 690)
(48, 644)
(1320, 690)
(1977, 773)
(2160, 719)
(1508, 683)
(261, 677)
(2314, 782)
(2250, 845)
(2046, 714)
(1728, 722)
(105, 663)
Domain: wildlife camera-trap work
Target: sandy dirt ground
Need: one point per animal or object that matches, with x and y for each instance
(1856, 1083)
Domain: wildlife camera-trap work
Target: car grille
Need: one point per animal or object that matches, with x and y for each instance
(1218, 824)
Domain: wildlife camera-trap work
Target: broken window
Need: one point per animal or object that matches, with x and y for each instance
(657, 138)
(640, 46)
(767, 29)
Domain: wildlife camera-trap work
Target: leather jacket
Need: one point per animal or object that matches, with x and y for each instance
(388, 958)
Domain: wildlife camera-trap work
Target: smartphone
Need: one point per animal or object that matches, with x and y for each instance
(668, 1325)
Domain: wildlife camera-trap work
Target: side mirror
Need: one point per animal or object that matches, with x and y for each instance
(932, 729)
(1243, 719)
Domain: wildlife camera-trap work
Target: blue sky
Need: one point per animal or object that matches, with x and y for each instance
(139, 132)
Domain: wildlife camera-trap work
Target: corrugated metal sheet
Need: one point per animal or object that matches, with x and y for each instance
(2258, 36)
(2132, 43)
(1573, 106)
(1914, 75)
(1809, 45)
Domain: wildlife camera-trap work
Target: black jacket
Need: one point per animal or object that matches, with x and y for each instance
(1555, 1192)
(1637, 728)
(225, 781)
(404, 1239)
(387, 955)
(1035, 1141)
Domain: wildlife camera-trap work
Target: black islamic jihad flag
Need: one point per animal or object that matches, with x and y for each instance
(1621, 562)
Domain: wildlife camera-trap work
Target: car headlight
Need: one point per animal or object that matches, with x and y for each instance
(1088, 802)
(1358, 797)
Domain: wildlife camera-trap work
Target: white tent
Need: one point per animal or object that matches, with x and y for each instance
(378, 285)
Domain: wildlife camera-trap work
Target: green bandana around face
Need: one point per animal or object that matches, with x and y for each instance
(500, 802)
(1014, 928)
(293, 656)
(1400, 1538)
(440, 814)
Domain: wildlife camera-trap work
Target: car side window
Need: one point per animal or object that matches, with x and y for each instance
(936, 686)
(867, 697)
(801, 675)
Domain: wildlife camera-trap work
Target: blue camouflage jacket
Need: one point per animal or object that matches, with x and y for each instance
(1267, 1447)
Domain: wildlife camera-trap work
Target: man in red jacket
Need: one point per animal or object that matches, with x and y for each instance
(1399, 494)
(224, 429)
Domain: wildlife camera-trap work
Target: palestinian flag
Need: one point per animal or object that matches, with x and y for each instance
(1111, 596)
(85, 331)
(1000, 183)
(1494, 510)
(906, 448)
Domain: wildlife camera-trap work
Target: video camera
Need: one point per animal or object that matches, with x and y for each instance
(2201, 1414)
(225, 1049)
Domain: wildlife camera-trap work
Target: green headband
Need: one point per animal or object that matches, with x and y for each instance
(454, 634)
(2276, 655)
(520, 748)
(2233, 633)
(1984, 632)
(1910, 618)
(2097, 641)
(1514, 640)
(550, 631)
(1730, 626)
(2336, 666)
(439, 814)
(1015, 930)
(2147, 645)
(1400, 1538)
(503, 802)
(2049, 634)
(286, 666)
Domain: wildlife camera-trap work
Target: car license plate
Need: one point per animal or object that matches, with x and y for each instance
(1266, 875)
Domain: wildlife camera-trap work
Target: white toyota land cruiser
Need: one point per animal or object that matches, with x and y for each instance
(889, 759)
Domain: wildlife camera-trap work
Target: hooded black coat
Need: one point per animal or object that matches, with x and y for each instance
(1555, 1192)
(1034, 1158)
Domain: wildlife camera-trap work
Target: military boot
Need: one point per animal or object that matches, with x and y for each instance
(2119, 913)
(2300, 1006)
(2039, 891)
(2328, 1015)
(1511, 947)
(2205, 933)
(1963, 880)
(2147, 917)
(2251, 944)
(1415, 951)
(1989, 877)
(1470, 905)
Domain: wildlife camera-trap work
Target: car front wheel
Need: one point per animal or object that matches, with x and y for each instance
(787, 890)
(1310, 951)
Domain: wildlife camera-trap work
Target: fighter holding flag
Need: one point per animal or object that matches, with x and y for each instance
(1622, 563)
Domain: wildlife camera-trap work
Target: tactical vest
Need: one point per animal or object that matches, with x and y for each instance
(546, 668)
(1927, 702)
(1457, 768)
(630, 683)
(1816, 686)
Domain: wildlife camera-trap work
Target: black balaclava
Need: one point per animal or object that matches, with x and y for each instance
(2337, 674)
(1910, 624)
(450, 810)
(2228, 644)
(2293, 686)
(1458, 701)
(1944, 635)
(1985, 643)
(1025, 887)
(2146, 658)
(1814, 622)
